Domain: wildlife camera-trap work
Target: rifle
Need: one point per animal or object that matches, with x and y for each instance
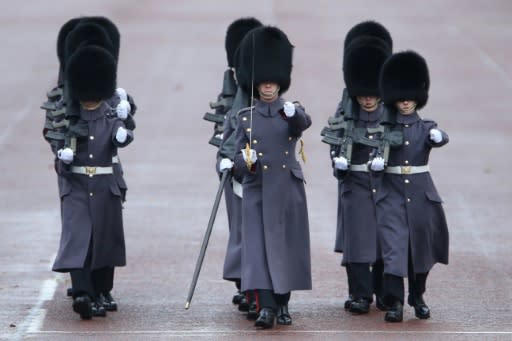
(206, 238)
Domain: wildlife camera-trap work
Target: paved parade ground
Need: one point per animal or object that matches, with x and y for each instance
(172, 60)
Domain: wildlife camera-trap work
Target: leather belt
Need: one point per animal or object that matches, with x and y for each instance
(407, 169)
(359, 168)
(91, 171)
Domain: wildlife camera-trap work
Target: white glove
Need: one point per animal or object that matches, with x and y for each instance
(121, 135)
(289, 109)
(123, 109)
(377, 164)
(435, 135)
(340, 163)
(121, 93)
(225, 164)
(66, 155)
(253, 156)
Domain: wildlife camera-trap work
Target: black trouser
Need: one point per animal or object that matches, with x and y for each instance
(377, 277)
(91, 282)
(360, 281)
(267, 299)
(394, 285)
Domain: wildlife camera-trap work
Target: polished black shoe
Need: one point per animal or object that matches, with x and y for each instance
(244, 305)
(421, 310)
(395, 313)
(239, 297)
(69, 292)
(360, 306)
(379, 302)
(98, 309)
(82, 305)
(266, 318)
(252, 312)
(108, 302)
(348, 302)
(283, 316)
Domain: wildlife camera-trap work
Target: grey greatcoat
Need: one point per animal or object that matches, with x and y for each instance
(357, 234)
(233, 260)
(409, 208)
(91, 206)
(275, 227)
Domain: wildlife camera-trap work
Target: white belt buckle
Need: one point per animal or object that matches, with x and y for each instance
(90, 170)
(405, 169)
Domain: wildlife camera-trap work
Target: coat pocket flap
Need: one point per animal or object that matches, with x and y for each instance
(433, 196)
(114, 189)
(297, 172)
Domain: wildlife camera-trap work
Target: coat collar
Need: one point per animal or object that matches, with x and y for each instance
(269, 109)
(373, 116)
(92, 115)
(407, 119)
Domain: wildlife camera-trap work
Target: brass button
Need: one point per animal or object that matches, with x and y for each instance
(374, 190)
(284, 166)
(408, 199)
(407, 126)
(286, 153)
(248, 130)
(260, 154)
(91, 137)
(370, 137)
(406, 143)
(244, 118)
(265, 167)
(406, 162)
(90, 194)
(90, 156)
(406, 181)
(289, 138)
(255, 141)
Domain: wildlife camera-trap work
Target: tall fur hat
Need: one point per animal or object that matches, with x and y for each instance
(267, 51)
(368, 28)
(61, 40)
(235, 33)
(87, 33)
(405, 76)
(112, 31)
(91, 74)
(363, 61)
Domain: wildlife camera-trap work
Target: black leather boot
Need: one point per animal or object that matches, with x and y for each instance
(237, 299)
(265, 318)
(360, 306)
(379, 302)
(348, 302)
(395, 312)
(283, 316)
(421, 310)
(108, 302)
(82, 305)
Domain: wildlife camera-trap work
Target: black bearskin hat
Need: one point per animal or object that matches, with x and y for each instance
(91, 74)
(368, 28)
(235, 33)
(267, 51)
(61, 40)
(405, 76)
(112, 31)
(363, 61)
(87, 33)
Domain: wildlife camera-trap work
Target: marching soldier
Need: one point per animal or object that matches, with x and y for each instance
(78, 32)
(363, 60)
(92, 238)
(366, 46)
(412, 227)
(275, 228)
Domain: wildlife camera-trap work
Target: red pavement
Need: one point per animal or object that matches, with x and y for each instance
(172, 59)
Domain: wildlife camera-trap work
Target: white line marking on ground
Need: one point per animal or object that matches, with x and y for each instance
(281, 332)
(35, 318)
